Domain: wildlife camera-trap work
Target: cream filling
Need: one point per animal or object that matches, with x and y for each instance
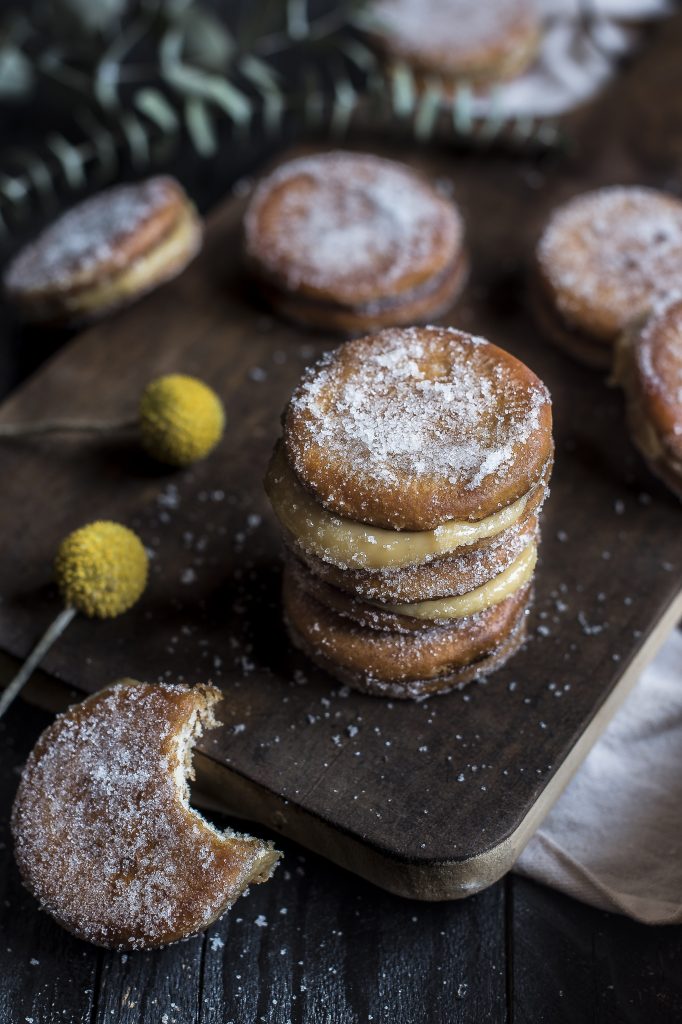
(178, 245)
(491, 593)
(350, 544)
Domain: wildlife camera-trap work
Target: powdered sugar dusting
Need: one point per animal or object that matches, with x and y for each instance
(344, 216)
(86, 237)
(458, 26)
(611, 254)
(103, 833)
(432, 404)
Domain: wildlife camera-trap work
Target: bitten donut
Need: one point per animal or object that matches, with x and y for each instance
(480, 42)
(408, 482)
(350, 242)
(104, 836)
(105, 253)
(649, 368)
(602, 262)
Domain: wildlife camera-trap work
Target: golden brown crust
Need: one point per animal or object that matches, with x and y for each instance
(648, 366)
(105, 252)
(479, 42)
(104, 836)
(408, 429)
(593, 352)
(404, 665)
(605, 258)
(428, 303)
(350, 229)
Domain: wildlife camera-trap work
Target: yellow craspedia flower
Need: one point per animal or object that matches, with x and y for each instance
(101, 569)
(181, 419)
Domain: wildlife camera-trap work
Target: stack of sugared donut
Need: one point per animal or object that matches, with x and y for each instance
(408, 482)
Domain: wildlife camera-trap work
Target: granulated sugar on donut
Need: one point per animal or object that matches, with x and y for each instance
(413, 412)
(87, 236)
(104, 835)
(350, 241)
(105, 252)
(604, 259)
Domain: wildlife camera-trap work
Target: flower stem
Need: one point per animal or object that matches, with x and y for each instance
(35, 657)
(64, 427)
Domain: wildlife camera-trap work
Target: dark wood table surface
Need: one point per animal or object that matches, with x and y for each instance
(318, 945)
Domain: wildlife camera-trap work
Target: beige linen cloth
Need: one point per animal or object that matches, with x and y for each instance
(614, 837)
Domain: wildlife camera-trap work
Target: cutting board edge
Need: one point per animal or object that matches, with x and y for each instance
(225, 790)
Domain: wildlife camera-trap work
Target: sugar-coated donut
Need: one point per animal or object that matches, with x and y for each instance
(648, 366)
(105, 252)
(605, 258)
(348, 241)
(480, 41)
(410, 428)
(103, 832)
(403, 664)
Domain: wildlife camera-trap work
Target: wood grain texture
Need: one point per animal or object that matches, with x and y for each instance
(317, 945)
(443, 781)
(569, 963)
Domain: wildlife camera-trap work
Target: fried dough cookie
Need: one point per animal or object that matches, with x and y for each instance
(104, 835)
(648, 367)
(404, 665)
(410, 429)
(349, 242)
(480, 42)
(456, 574)
(105, 253)
(422, 613)
(603, 261)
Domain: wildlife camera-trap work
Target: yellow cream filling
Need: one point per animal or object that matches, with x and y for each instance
(350, 544)
(144, 271)
(493, 592)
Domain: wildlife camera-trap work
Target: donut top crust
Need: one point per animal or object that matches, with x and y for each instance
(658, 359)
(606, 256)
(97, 237)
(350, 228)
(407, 429)
(456, 35)
(104, 836)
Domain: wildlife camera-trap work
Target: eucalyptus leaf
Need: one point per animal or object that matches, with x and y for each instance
(157, 108)
(38, 171)
(88, 15)
(102, 142)
(345, 100)
(194, 82)
(70, 159)
(200, 127)
(206, 40)
(260, 74)
(14, 189)
(16, 73)
(137, 139)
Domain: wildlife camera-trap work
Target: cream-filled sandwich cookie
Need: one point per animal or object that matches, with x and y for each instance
(351, 242)
(105, 252)
(603, 261)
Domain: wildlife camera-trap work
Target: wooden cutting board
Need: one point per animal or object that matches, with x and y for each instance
(434, 799)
